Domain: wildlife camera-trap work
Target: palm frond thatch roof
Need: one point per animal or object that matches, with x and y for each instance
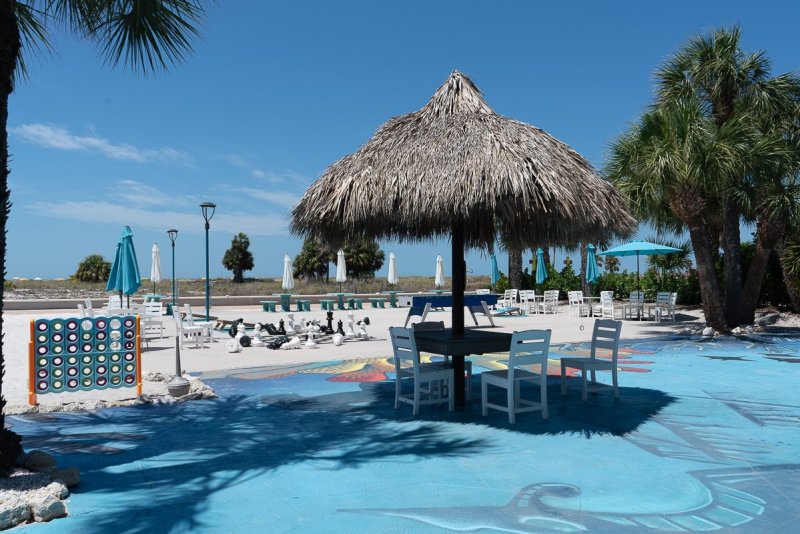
(457, 160)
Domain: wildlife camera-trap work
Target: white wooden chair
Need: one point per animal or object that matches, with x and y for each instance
(605, 336)
(426, 378)
(509, 299)
(606, 308)
(89, 309)
(188, 333)
(153, 318)
(207, 326)
(428, 326)
(527, 299)
(549, 303)
(635, 305)
(577, 308)
(530, 347)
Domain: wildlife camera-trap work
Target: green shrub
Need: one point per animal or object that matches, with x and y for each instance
(93, 268)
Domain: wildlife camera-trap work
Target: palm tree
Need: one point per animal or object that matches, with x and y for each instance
(667, 165)
(677, 262)
(145, 36)
(789, 254)
(727, 83)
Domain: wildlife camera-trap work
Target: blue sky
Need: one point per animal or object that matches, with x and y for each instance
(276, 91)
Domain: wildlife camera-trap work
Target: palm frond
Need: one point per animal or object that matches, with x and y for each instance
(32, 25)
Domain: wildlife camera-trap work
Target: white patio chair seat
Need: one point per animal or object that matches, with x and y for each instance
(606, 309)
(153, 318)
(530, 347)
(428, 326)
(430, 379)
(207, 326)
(188, 333)
(605, 336)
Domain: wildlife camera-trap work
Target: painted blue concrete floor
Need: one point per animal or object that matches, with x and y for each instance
(705, 437)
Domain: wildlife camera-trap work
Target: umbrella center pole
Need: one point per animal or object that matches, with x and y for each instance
(459, 278)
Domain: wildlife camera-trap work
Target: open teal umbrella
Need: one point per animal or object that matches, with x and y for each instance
(635, 248)
(541, 267)
(591, 265)
(124, 275)
(495, 271)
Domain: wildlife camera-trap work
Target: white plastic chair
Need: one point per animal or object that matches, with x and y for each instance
(528, 348)
(205, 325)
(605, 336)
(606, 309)
(549, 303)
(188, 333)
(635, 304)
(664, 306)
(509, 299)
(527, 299)
(427, 378)
(153, 318)
(429, 326)
(89, 309)
(577, 308)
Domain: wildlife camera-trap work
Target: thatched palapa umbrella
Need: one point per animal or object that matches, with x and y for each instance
(457, 168)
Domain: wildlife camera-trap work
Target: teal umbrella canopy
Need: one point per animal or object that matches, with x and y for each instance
(495, 271)
(637, 248)
(541, 266)
(124, 275)
(591, 265)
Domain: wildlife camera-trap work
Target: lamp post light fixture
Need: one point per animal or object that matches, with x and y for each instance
(208, 212)
(173, 235)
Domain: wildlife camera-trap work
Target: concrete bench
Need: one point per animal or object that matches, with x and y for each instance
(329, 305)
(303, 305)
(355, 304)
(377, 302)
(268, 305)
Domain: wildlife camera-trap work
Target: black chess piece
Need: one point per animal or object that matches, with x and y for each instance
(329, 327)
(245, 341)
(271, 330)
(339, 329)
(365, 320)
(281, 328)
(276, 344)
(233, 330)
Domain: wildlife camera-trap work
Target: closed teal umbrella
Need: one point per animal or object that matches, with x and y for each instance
(591, 265)
(124, 275)
(541, 267)
(495, 271)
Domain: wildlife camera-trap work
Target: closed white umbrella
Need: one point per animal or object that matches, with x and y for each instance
(392, 277)
(439, 272)
(288, 280)
(341, 267)
(155, 267)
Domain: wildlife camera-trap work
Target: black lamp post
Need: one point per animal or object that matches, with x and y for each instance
(208, 212)
(173, 235)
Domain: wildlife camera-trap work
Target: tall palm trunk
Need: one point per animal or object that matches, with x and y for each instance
(732, 262)
(790, 280)
(584, 285)
(9, 51)
(710, 290)
(515, 268)
(768, 233)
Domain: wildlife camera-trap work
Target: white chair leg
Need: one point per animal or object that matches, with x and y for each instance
(584, 388)
(517, 394)
(484, 400)
(511, 404)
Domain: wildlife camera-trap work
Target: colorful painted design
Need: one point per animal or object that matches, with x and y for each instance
(81, 354)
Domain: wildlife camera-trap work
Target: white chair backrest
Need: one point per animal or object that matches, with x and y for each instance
(114, 301)
(529, 347)
(637, 297)
(178, 325)
(152, 308)
(510, 294)
(88, 304)
(575, 297)
(528, 295)
(405, 347)
(609, 294)
(607, 298)
(606, 336)
(82, 310)
(673, 299)
(189, 317)
(551, 295)
(663, 298)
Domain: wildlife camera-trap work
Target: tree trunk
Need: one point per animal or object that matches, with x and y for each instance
(515, 268)
(238, 276)
(710, 290)
(584, 285)
(9, 52)
(732, 262)
(768, 233)
(791, 281)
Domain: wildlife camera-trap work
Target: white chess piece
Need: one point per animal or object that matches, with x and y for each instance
(257, 341)
(362, 330)
(338, 339)
(290, 324)
(349, 331)
(310, 343)
(233, 346)
(293, 343)
(240, 330)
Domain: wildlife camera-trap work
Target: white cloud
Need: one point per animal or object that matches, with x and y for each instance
(281, 198)
(57, 137)
(121, 214)
(138, 193)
